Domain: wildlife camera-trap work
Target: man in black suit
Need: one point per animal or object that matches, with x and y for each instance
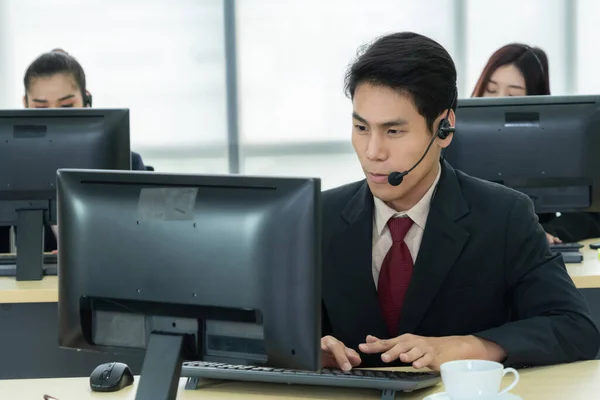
(442, 266)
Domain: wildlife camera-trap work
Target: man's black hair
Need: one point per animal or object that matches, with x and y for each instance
(55, 62)
(412, 64)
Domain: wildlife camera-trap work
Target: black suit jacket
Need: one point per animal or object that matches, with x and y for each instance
(137, 164)
(484, 268)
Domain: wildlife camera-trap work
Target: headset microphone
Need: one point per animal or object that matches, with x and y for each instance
(396, 178)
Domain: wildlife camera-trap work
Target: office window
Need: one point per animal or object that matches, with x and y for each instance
(492, 24)
(163, 59)
(587, 34)
(292, 56)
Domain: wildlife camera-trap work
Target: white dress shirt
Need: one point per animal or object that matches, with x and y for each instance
(382, 239)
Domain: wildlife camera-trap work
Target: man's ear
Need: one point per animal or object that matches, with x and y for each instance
(446, 142)
(25, 102)
(452, 118)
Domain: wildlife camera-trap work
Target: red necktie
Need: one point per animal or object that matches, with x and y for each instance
(395, 274)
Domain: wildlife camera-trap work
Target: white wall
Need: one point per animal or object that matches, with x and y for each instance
(165, 59)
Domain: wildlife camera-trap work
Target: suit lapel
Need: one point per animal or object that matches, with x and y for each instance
(352, 268)
(443, 241)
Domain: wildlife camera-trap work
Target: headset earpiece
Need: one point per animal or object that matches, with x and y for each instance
(87, 99)
(445, 129)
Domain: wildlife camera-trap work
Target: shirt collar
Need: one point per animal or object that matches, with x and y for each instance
(418, 213)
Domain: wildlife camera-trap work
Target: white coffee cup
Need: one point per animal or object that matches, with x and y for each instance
(475, 379)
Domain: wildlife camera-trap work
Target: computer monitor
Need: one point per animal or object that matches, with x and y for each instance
(547, 147)
(34, 144)
(213, 268)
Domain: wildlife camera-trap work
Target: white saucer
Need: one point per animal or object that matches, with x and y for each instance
(444, 396)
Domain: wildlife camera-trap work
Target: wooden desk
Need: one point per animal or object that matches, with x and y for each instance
(587, 274)
(44, 291)
(28, 311)
(29, 335)
(571, 381)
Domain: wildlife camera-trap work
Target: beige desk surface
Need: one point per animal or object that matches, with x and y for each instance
(44, 291)
(585, 275)
(571, 381)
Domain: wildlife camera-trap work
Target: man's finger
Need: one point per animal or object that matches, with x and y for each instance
(327, 360)
(371, 339)
(379, 346)
(412, 355)
(376, 345)
(337, 350)
(393, 354)
(552, 239)
(426, 361)
(327, 341)
(353, 357)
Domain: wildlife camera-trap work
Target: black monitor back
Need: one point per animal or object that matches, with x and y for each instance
(544, 146)
(233, 261)
(35, 143)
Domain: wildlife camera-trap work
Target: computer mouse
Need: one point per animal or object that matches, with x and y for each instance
(111, 377)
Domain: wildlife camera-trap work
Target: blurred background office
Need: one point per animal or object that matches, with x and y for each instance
(256, 86)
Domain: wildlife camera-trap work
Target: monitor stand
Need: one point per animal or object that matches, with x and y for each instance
(30, 245)
(161, 369)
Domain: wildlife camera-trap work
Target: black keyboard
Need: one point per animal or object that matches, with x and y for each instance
(8, 263)
(389, 382)
(572, 257)
(11, 258)
(565, 247)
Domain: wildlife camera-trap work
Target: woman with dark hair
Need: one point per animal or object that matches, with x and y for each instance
(520, 70)
(514, 70)
(56, 80)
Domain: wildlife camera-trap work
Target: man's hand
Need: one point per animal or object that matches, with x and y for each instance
(335, 354)
(552, 239)
(432, 352)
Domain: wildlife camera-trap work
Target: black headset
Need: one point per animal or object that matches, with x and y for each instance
(537, 58)
(444, 130)
(87, 99)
